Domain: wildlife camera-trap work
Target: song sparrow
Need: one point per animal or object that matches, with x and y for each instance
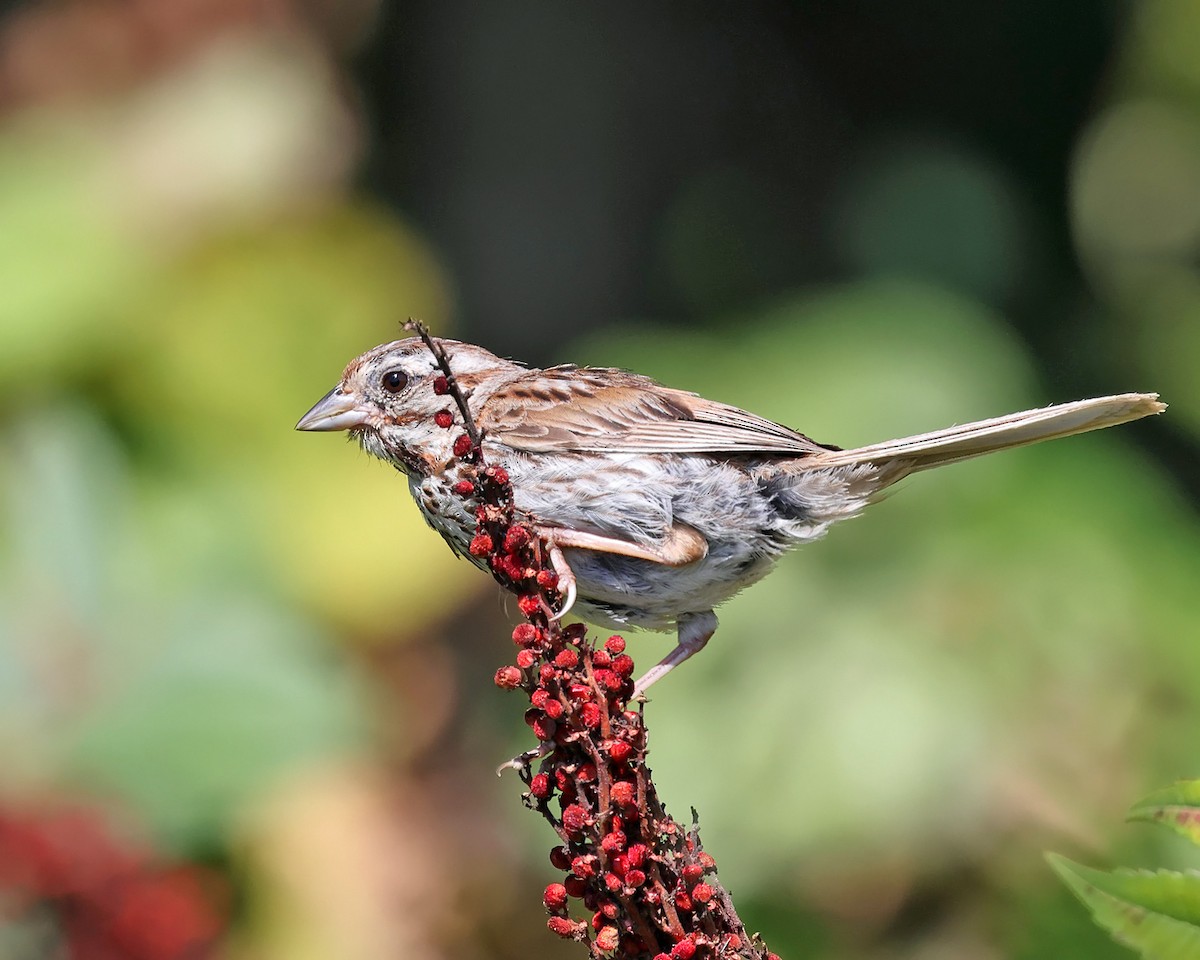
(658, 505)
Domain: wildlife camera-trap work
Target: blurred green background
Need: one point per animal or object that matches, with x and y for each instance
(245, 695)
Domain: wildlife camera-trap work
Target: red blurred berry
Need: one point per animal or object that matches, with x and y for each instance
(706, 861)
(568, 929)
(441, 386)
(587, 773)
(619, 751)
(622, 793)
(566, 660)
(526, 659)
(554, 709)
(444, 419)
(607, 939)
(464, 488)
(590, 714)
(546, 673)
(601, 659)
(555, 897)
(623, 664)
(583, 867)
(462, 445)
(613, 842)
(516, 538)
(635, 878)
(525, 634)
(612, 881)
(540, 786)
(547, 579)
(682, 900)
(574, 818)
(528, 604)
(637, 854)
(481, 545)
(702, 893)
(575, 887)
(508, 678)
(543, 728)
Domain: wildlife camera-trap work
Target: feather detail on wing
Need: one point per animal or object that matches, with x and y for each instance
(567, 409)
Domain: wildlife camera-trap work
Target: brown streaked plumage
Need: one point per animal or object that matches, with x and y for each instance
(657, 504)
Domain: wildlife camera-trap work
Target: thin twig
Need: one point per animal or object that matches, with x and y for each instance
(413, 325)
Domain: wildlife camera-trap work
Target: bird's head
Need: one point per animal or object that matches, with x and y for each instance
(386, 398)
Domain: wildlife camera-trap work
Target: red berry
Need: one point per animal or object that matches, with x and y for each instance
(525, 635)
(620, 751)
(554, 709)
(528, 604)
(635, 878)
(685, 949)
(481, 545)
(546, 673)
(590, 714)
(682, 900)
(615, 644)
(540, 697)
(637, 854)
(464, 488)
(575, 887)
(441, 386)
(555, 897)
(508, 678)
(692, 873)
(607, 940)
(568, 929)
(706, 861)
(566, 660)
(583, 867)
(544, 728)
(601, 659)
(610, 909)
(499, 474)
(574, 818)
(579, 692)
(702, 893)
(462, 445)
(444, 419)
(612, 881)
(733, 942)
(587, 773)
(526, 659)
(560, 858)
(613, 842)
(516, 538)
(540, 786)
(622, 793)
(623, 664)
(547, 579)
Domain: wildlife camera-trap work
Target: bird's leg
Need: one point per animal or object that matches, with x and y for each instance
(695, 630)
(680, 546)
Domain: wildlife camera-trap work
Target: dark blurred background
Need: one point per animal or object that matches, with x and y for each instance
(245, 697)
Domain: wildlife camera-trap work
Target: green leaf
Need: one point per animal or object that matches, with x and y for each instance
(1155, 913)
(1176, 806)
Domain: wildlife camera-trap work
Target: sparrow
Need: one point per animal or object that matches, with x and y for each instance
(657, 505)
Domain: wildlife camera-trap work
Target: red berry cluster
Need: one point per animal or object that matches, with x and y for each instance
(105, 899)
(647, 887)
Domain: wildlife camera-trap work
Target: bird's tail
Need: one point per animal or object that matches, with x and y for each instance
(898, 458)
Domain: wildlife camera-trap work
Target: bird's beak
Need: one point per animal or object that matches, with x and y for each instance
(334, 411)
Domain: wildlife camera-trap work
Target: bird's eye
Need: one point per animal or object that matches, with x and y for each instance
(394, 381)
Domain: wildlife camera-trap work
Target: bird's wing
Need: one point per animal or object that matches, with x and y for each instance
(595, 409)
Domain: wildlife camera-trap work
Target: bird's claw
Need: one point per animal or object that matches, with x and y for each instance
(566, 580)
(522, 760)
